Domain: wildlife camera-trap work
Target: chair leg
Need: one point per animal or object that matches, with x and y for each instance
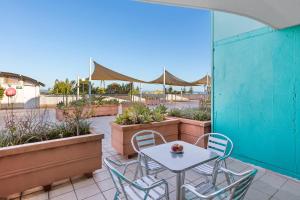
(116, 197)
(225, 164)
(227, 179)
(167, 192)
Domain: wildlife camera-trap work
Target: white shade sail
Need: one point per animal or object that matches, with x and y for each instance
(278, 14)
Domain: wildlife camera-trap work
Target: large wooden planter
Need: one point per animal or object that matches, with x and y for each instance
(93, 111)
(190, 130)
(39, 164)
(121, 134)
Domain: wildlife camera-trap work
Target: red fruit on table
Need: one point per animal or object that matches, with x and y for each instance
(180, 148)
(174, 147)
(177, 148)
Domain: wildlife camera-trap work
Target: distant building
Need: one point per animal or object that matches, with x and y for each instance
(28, 90)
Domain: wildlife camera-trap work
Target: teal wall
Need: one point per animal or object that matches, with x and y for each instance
(256, 97)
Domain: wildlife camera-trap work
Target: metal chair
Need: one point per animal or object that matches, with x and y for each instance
(235, 190)
(144, 139)
(219, 144)
(144, 188)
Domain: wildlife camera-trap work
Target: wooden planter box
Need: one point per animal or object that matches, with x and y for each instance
(26, 166)
(93, 111)
(190, 130)
(121, 134)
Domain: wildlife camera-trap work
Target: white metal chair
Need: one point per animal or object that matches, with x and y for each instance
(144, 188)
(144, 139)
(236, 190)
(219, 144)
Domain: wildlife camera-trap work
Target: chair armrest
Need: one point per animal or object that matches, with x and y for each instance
(117, 163)
(153, 185)
(227, 171)
(157, 183)
(128, 164)
(125, 165)
(193, 190)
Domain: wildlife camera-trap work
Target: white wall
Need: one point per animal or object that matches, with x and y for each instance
(227, 25)
(26, 97)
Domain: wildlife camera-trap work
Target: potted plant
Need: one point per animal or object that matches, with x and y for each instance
(97, 106)
(139, 117)
(1, 94)
(194, 122)
(35, 152)
(104, 107)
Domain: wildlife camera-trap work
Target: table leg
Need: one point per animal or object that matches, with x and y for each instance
(179, 182)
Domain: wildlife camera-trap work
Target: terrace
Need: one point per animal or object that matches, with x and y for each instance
(255, 98)
(266, 185)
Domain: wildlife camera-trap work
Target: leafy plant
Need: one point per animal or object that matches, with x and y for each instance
(101, 100)
(190, 113)
(140, 114)
(34, 126)
(1, 93)
(175, 112)
(60, 105)
(161, 109)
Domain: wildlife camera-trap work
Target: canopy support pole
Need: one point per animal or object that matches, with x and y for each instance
(77, 87)
(141, 95)
(131, 94)
(90, 78)
(164, 87)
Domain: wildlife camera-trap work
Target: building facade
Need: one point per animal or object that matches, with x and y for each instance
(27, 91)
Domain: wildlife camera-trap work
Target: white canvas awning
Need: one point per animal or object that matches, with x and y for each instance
(278, 14)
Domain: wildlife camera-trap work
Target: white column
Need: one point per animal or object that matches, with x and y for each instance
(90, 78)
(140, 92)
(77, 87)
(164, 86)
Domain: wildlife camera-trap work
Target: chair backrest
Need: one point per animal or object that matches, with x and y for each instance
(235, 191)
(239, 188)
(120, 180)
(144, 139)
(117, 177)
(218, 143)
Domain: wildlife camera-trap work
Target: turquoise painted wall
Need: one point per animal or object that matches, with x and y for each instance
(256, 97)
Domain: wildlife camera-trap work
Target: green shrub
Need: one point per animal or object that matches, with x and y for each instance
(190, 113)
(1, 92)
(161, 109)
(140, 114)
(35, 127)
(101, 100)
(175, 112)
(60, 105)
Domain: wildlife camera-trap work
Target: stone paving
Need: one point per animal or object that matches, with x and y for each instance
(267, 184)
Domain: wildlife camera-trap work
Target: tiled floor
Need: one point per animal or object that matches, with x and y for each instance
(267, 185)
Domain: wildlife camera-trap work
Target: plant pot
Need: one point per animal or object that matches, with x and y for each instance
(104, 110)
(190, 130)
(92, 111)
(121, 134)
(40, 164)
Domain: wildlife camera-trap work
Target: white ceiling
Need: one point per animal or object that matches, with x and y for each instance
(278, 14)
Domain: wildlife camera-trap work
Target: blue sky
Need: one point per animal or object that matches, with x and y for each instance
(52, 39)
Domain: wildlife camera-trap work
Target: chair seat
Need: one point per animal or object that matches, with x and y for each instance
(154, 194)
(152, 165)
(204, 169)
